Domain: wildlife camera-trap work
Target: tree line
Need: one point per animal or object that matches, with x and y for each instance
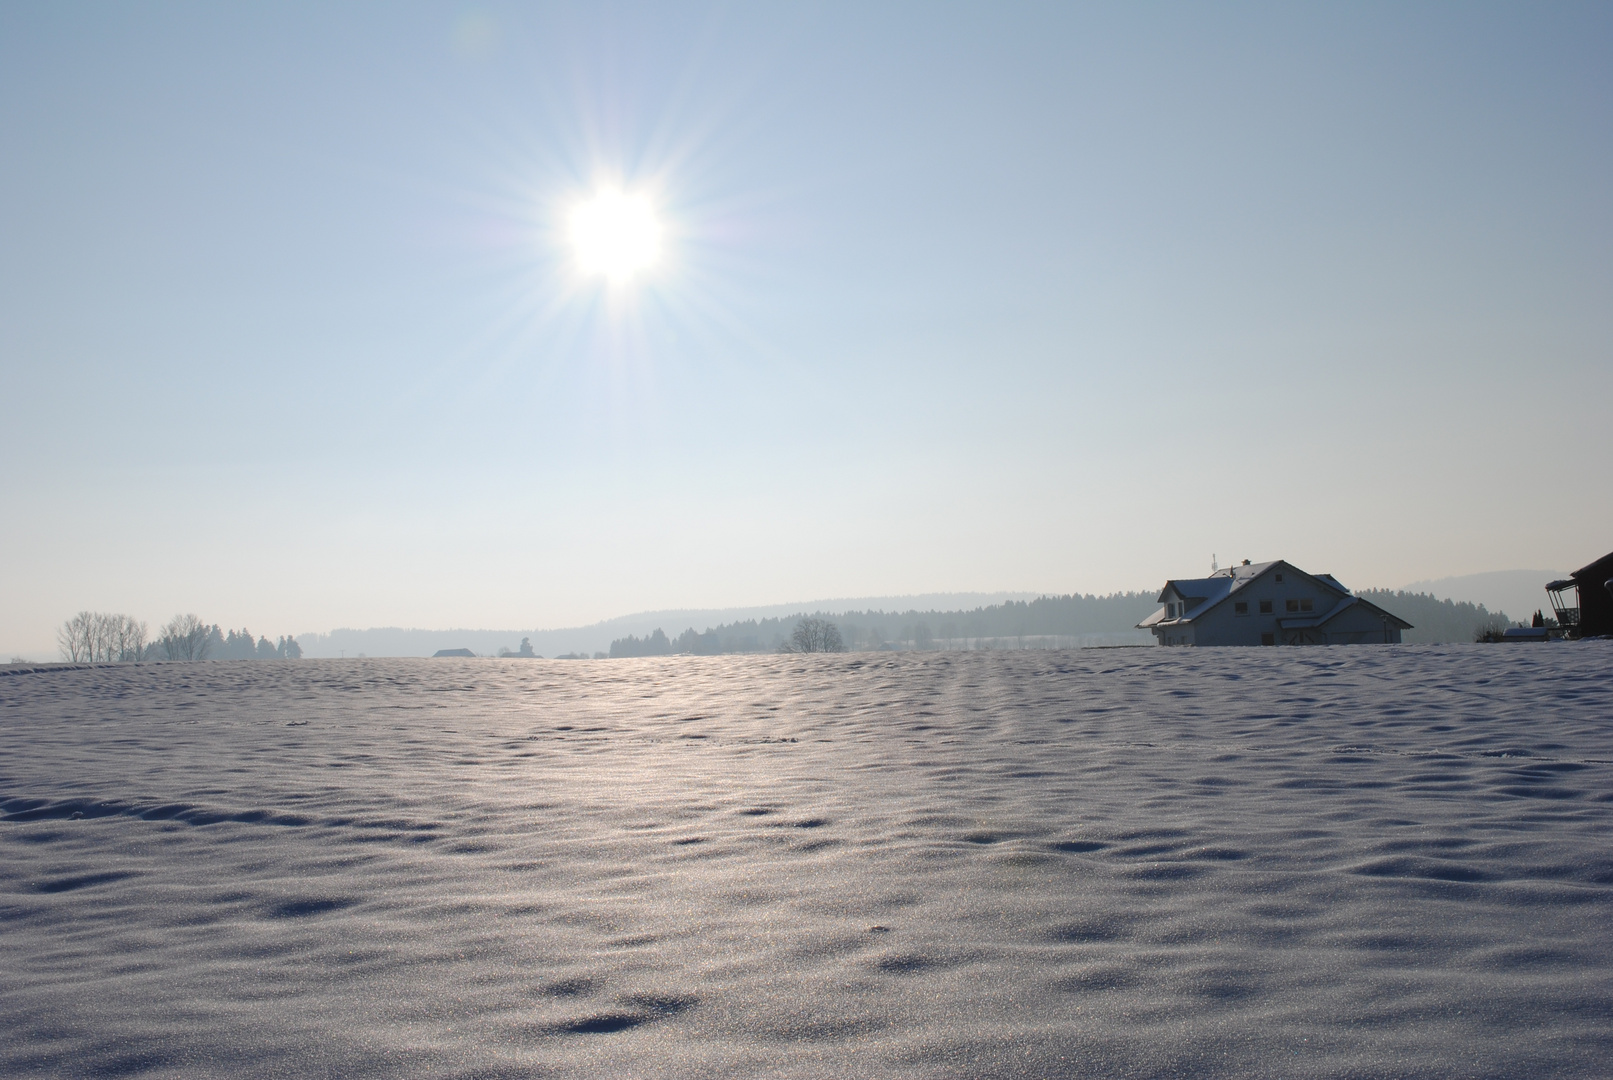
(1014, 621)
(96, 637)
(811, 634)
(1434, 620)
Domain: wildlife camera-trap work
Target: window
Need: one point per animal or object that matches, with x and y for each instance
(1268, 639)
(1170, 611)
(1265, 607)
(1290, 605)
(1279, 579)
(1240, 608)
(1305, 605)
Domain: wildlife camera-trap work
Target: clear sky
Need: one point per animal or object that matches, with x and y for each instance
(949, 297)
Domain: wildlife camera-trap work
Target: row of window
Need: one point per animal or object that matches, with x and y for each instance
(1241, 607)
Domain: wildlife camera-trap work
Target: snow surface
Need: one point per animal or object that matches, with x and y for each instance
(1369, 861)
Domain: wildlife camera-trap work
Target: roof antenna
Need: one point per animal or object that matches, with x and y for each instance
(1213, 566)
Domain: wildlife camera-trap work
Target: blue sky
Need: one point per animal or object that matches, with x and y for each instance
(952, 298)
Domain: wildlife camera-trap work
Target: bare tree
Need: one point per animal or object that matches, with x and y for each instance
(129, 639)
(814, 635)
(185, 637)
(74, 637)
(97, 637)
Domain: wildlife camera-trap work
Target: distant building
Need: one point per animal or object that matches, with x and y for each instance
(452, 652)
(1526, 633)
(1270, 603)
(1584, 601)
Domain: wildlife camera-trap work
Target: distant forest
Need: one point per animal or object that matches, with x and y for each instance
(1434, 620)
(1045, 621)
(240, 646)
(1049, 621)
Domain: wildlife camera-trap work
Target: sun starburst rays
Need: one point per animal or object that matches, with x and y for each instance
(614, 235)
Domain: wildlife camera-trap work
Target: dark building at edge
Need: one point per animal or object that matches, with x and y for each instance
(1594, 603)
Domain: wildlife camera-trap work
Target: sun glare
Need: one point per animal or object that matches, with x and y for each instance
(615, 235)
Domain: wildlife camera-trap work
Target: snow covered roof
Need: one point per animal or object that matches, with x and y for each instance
(1526, 633)
(1199, 591)
(1204, 593)
(1222, 579)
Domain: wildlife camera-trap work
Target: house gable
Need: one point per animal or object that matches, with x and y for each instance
(1279, 583)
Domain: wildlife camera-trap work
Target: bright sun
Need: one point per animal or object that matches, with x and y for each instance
(615, 235)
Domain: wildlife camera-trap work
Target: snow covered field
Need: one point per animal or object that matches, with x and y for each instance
(1391, 861)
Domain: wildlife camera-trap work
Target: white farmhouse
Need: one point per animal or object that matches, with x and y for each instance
(1270, 603)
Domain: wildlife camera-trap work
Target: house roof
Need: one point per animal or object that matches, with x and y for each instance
(1202, 594)
(1596, 572)
(1152, 620)
(1219, 582)
(1197, 591)
(1198, 594)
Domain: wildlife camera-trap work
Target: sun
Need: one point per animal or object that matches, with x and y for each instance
(615, 235)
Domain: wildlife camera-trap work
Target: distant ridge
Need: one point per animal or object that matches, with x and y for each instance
(1518, 593)
(398, 641)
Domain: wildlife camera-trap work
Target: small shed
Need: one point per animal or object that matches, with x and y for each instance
(1526, 633)
(1583, 601)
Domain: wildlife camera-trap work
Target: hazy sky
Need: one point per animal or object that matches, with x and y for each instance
(1061, 297)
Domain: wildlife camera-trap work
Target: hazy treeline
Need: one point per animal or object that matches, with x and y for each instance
(1012, 621)
(656, 644)
(102, 637)
(1434, 620)
(240, 646)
